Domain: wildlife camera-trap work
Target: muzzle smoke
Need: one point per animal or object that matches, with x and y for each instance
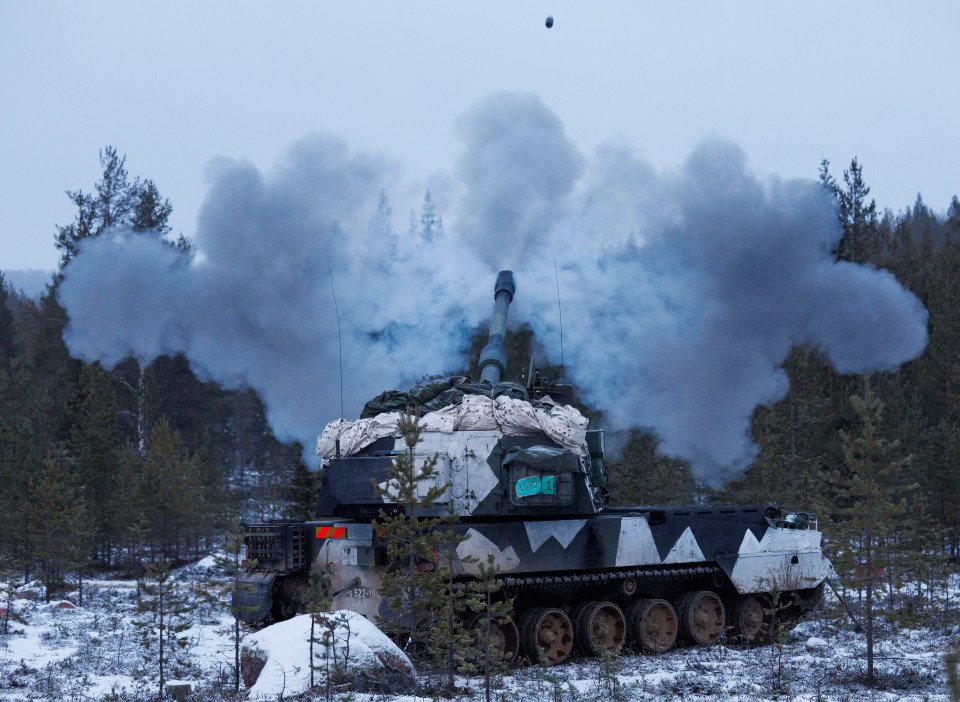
(682, 291)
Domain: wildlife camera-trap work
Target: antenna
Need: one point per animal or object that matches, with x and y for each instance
(339, 342)
(556, 276)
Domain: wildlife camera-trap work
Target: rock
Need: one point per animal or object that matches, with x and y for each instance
(252, 661)
(817, 645)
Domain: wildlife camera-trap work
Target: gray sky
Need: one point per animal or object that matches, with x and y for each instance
(173, 84)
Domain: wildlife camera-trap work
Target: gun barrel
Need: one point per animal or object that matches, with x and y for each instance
(493, 357)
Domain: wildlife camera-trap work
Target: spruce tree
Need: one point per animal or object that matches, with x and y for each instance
(129, 515)
(302, 492)
(55, 373)
(7, 327)
(56, 520)
(860, 242)
(94, 441)
(431, 226)
(25, 438)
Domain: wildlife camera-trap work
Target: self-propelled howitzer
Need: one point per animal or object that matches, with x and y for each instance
(525, 475)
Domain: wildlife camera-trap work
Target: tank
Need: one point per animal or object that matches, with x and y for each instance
(525, 474)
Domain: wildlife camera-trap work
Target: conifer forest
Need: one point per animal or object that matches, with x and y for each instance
(126, 472)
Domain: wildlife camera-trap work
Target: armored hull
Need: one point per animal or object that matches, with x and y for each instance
(525, 477)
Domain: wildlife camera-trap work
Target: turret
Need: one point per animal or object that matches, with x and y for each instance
(497, 458)
(493, 357)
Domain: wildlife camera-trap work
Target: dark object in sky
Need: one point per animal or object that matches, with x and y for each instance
(549, 21)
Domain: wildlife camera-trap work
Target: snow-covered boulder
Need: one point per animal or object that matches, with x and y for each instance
(817, 645)
(344, 643)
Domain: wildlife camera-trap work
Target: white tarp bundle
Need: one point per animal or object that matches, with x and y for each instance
(562, 423)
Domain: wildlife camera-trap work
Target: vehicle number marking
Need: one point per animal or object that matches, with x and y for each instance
(362, 593)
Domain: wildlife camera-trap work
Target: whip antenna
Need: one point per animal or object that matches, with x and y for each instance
(339, 341)
(556, 275)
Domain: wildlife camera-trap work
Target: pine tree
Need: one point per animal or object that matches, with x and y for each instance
(452, 646)
(490, 642)
(380, 227)
(163, 623)
(117, 201)
(235, 566)
(416, 587)
(874, 502)
(171, 485)
(215, 508)
(316, 603)
(151, 211)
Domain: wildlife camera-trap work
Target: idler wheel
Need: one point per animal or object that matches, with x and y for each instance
(752, 619)
(702, 617)
(504, 638)
(653, 625)
(547, 635)
(599, 627)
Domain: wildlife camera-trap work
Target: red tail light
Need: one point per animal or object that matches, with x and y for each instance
(334, 532)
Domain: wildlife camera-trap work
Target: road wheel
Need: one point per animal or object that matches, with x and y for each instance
(503, 636)
(547, 635)
(599, 627)
(653, 625)
(702, 617)
(752, 619)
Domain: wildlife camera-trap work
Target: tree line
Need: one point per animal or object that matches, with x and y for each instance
(876, 458)
(801, 463)
(114, 468)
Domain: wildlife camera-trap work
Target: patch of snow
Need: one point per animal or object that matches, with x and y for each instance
(354, 644)
(103, 685)
(208, 562)
(97, 650)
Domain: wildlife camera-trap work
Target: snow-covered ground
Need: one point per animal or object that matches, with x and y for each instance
(98, 652)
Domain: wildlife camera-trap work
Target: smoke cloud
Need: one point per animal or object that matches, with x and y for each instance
(255, 305)
(682, 291)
